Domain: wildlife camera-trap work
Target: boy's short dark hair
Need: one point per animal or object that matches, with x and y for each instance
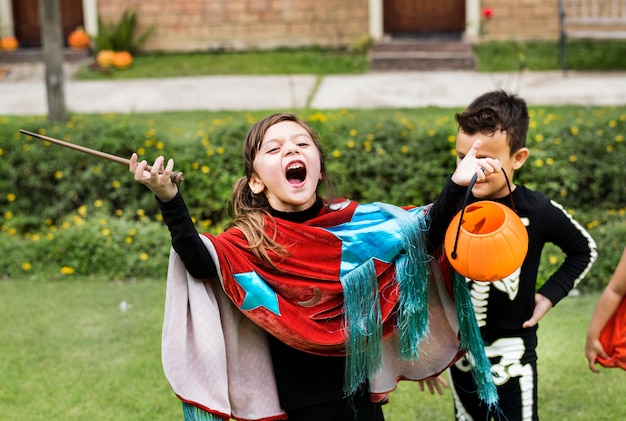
(497, 110)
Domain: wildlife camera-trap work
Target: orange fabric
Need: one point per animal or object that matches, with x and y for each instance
(613, 339)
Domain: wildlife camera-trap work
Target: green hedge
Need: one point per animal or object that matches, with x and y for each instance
(55, 200)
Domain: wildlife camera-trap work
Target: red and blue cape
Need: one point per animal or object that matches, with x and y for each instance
(356, 282)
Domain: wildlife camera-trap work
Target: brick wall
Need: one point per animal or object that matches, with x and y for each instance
(200, 25)
(521, 20)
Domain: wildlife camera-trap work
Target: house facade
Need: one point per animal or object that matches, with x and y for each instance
(204, 25)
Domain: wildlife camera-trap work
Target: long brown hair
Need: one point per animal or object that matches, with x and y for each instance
(250, 209)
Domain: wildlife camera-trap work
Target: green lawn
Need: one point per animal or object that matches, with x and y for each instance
(68, 352)
(492, 57)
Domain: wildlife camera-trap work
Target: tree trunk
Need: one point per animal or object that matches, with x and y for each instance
(52, 41)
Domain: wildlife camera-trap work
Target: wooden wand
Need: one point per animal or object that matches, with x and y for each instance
(177, 176)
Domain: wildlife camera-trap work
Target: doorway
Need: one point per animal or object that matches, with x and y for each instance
(26, 20)
(423, 17)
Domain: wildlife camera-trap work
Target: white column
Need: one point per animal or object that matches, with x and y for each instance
(6, 18)
(90, 17)
(376, 18)
(472, 20)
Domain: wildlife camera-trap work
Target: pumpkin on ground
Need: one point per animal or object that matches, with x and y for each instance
(78, 39)
(104, 58)
(490, 243)
(122, 60)
(9, 43)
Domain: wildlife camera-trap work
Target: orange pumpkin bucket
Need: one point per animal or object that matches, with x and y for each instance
(486, 241)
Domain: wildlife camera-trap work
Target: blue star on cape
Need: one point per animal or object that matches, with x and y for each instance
(258, 293)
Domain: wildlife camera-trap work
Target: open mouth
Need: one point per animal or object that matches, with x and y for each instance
(296, 173)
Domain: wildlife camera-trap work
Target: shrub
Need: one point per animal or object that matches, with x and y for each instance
(397, 156)
(121, 35)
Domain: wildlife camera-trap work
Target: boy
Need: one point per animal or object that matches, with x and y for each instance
(508, 310)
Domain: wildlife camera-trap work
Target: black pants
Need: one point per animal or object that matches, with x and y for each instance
(354, 408)
(517, 391)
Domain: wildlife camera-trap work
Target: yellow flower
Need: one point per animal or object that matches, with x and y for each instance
(404, 149)
(143, 256)
(98, 203)
(106, 232)
(351, 144)
(550, 161)
(26, 266)
(205, 169)
(572, 158)
(160, 145)
(8, 215)
(10, 197)
(82, 211)
(539, 138)
(619, 138)
(538, 162)
(141, 213)
(128, 240)
(58, 175)
(336, 153)
(220, 150)
(67, 270)
(132, 231)
(574, 130)
(119, 212)
(451, 138)
(116, 184)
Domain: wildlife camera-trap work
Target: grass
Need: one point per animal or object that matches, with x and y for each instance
(496, 56)
(68, 352)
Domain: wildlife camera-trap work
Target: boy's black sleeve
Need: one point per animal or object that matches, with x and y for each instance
(443, 210)
(576, 243)
(185, 238)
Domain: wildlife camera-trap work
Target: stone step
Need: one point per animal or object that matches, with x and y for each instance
(422, 54)
(33, 55)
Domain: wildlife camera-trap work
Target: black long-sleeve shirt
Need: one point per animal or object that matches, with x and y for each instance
(302, 379)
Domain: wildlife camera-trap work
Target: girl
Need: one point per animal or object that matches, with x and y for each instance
(280, 262)
(611, 306)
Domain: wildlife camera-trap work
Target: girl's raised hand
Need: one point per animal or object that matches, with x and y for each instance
(158, 179)
(471, 165)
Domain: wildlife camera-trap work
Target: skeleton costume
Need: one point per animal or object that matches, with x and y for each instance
(501, 307)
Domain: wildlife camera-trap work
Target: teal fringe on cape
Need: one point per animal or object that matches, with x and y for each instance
(193, 413)
(472, 342)
(363, 320)
(412, 276)
(362, 315)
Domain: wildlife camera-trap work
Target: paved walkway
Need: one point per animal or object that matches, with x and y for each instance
(22, 91)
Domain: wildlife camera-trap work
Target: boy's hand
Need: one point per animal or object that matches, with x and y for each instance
(542, 306)
(471, 165)
(158, 179)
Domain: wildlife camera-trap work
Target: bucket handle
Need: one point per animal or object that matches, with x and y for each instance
(467, 194)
